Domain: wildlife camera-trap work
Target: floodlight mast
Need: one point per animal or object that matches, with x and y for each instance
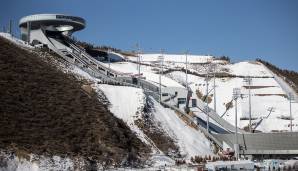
(248, 80)
(10, 28)
(138, 59)
(236, 95)
(207, 69)
(160, 58)
(291, 98)
(186, 77)
(206, 99)
(109, 58)
(214, 87)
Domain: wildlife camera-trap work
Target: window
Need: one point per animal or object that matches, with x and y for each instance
(181, 100)
(164, 94)
(194, 102)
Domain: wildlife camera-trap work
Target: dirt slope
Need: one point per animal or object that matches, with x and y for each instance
(45, 111)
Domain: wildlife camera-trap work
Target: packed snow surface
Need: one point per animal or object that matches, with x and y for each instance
(248, 69)
(191, 141)
(127, 104)
(178, 58)
(146, 71)
(266, 93)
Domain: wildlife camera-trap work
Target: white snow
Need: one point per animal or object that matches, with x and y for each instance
(128, 67)
(177, 58)
(270, 94)
(38, 163)
(191, 141)
(15, 40)
(79, 72)
(126, 104)
(248, 69)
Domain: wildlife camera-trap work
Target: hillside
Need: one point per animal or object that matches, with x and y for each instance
(291, 77)
(45, 111)
(268, 90)
(128, 122)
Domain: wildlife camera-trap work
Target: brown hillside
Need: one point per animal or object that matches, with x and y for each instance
(45, 111)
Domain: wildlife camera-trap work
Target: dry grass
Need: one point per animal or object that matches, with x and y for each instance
(45, 111)
(204, 98)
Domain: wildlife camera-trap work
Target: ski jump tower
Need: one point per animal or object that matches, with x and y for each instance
(54, 31)
(35, 27)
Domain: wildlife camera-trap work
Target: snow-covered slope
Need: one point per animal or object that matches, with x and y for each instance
(127, 104)
(266, 93)
(146, 71)
(248, 69)
(173, 58)
(191, 141)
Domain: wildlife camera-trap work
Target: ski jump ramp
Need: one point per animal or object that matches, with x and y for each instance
(54, 31)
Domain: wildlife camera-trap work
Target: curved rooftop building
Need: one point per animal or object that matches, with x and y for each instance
(53, 31)
(32, 25)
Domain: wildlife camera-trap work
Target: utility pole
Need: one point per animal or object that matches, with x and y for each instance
(248, 81)
(236, 95)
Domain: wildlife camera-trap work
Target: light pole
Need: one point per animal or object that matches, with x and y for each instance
(10, 28)
(291, 98)
(186, 70)
(236, 95)
(160, 58)
(109, 60)
(206, 99)
(214, 87)
(139, 60)
(248, 81)
(207, 93)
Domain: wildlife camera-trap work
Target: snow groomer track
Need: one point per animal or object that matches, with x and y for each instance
(54, 31)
